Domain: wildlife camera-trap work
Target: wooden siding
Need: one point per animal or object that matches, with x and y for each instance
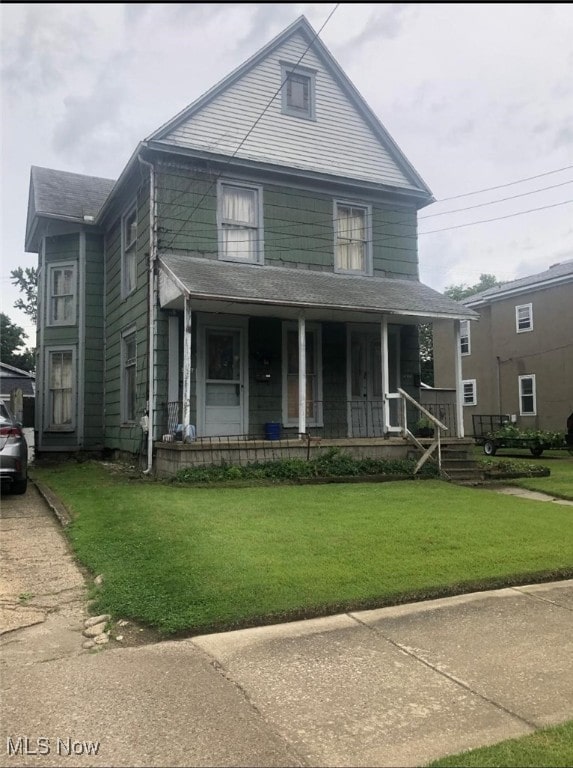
(93, 343)
(339, 141)
(298, 224)
(122, 314)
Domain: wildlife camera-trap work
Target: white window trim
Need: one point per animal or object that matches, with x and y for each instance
(467, 325)
(533, 394)
(368, 267)
(287, 69)
(123, 379)
(48, 426)
(52, 266)
(260, 240)
(473, 383)
(124, 252)
(529, 307)
(315, 328)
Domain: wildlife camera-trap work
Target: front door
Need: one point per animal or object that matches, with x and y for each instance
(366, 399)
(223, 380)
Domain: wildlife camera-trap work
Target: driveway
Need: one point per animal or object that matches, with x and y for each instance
(393, 687)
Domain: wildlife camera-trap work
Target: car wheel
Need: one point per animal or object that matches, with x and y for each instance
(489, 448)
(20, 486)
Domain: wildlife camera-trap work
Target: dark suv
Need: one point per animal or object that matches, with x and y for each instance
(13, 452)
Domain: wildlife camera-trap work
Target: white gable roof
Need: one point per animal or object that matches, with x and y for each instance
(346, 139)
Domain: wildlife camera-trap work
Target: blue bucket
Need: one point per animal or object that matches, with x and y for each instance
(272, 430)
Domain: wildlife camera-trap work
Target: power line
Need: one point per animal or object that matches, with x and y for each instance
(493, 202)
(259, 118)
(498, 218)
(502, 186)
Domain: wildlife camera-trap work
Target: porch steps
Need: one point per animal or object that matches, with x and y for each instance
(460, 467)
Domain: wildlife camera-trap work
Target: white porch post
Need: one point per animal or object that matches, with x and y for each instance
(187, 364)
(301, 375)
(385, 371)
(458, 377)
(173, 365)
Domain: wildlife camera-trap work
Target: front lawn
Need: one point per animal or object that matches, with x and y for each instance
(200, 559)
(560, 463)
(550, 747)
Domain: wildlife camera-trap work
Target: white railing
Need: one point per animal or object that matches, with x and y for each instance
(435, 445)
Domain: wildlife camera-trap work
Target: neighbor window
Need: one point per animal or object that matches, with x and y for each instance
(298, 97)
(465, 337)
(129, 251)
(62, 294)
(129, 370)
(240, 222)
(352, 238)
(527, 395)
(290, 376)
(524, 318)
(469, 392)
(60, 410)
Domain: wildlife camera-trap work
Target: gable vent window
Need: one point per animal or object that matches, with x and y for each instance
(298, 92)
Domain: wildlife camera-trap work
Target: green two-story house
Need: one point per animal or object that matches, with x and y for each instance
(252, 273)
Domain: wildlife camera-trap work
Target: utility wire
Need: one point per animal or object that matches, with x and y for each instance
(273, 97)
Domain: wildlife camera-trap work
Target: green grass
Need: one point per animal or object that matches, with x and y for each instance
(196, 559)
(550, 748)
(560, 463)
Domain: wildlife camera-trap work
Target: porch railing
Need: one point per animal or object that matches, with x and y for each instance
(435, 446)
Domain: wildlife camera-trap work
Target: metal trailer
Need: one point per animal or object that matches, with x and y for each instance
(486, 425)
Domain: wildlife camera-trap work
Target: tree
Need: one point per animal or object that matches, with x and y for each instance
(26, 281)
(462, 290)
(458, 293)
(11, 339)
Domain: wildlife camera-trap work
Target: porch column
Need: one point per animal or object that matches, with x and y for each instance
(187, 364)
(301, 375)
(458, 378)
(173, 369)
(385, 371)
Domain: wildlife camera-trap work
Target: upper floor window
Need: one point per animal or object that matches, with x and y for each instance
(527, 395)
(129, 376)
(469, 392)
(240, 222)
(524, 318)
(62, 294)
(298, 91)
(129, 251)
(465, 337)
(352, 252)
(60, 411)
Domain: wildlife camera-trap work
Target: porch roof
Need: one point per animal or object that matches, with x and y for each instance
(213, 280)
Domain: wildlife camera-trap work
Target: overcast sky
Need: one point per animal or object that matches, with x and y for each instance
(475, 95)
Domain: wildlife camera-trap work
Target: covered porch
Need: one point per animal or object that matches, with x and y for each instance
(269, 356)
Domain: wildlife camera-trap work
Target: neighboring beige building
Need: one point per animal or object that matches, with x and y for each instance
(518, 359)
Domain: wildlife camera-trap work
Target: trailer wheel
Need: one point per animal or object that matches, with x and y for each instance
(536, 450)
(489, 448)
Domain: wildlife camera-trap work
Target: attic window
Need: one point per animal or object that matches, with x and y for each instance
(298, 91)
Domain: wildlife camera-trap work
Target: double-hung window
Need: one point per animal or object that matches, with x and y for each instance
(129, 376)
(291, 378)
(527, 395)
(469, 392)
(60, 394)
(524, 318)
(62, 286)
(129, 252)
(465, 345)
(352, 241)
(240, 222)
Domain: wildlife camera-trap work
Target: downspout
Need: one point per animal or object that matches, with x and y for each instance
(152, 313)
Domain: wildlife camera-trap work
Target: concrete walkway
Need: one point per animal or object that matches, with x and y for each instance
(392, 687)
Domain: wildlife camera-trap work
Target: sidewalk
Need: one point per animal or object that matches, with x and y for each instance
(397, 686)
